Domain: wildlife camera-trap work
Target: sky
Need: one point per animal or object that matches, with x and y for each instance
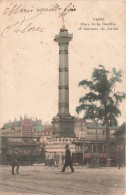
(29, 58)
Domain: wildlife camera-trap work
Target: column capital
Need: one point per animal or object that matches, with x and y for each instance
(63, 37)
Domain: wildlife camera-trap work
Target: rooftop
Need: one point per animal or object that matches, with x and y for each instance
(92, 125)
(121, 129)
(40, 128)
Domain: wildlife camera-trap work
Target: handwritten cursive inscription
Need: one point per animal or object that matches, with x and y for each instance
(70, 8)
(21, 27)
(24, 25)
(17, 9)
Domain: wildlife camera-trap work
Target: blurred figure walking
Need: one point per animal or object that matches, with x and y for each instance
(93, 160)
(62, 160)
(57, 160)
(15, 161)
(120, 158)
(68, 160)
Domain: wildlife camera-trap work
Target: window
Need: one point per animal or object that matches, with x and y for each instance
(100, 148)
(88, 149)
(13, 130)
(76, 148)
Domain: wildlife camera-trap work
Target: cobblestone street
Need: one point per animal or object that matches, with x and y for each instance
(48, 180)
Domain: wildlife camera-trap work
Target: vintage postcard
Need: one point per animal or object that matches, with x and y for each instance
(62, 97)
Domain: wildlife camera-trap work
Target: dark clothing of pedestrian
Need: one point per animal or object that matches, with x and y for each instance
(93, 160)
(62, 157)
(62, 160)
(120, 158)
(57, 160)
(68, 161)
(15, 163)
(17, 169)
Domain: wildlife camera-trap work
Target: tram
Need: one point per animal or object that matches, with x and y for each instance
(30, 150)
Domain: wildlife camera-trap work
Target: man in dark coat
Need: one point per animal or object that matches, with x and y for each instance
(68, 161)
(120, 158)
(15, 162)
(93, 160)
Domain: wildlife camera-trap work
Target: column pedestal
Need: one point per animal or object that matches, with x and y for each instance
(63, 126)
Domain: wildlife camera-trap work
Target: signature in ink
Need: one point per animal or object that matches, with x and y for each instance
(20, 27)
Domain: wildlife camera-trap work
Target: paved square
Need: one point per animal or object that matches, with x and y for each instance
(50, 181)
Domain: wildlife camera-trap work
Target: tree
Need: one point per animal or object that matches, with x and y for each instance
(102, 97)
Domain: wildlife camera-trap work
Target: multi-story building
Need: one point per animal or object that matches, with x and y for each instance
(12, 128)
(94, 141)
(43, 131)
(22, 127)
(26, 127)
(120, 135)
(80, 127)
(89, 137)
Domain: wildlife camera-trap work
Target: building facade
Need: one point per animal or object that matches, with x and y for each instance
(120, 135)
(88, 139)
(26, 127)
(94, 141)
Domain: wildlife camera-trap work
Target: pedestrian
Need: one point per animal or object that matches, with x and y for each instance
(93, 160)
(55, 159)
(62, 159)
(15, 161)
(120, 158)
(68, 160)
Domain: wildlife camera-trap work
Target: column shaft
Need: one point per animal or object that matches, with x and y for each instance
(63, 79)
